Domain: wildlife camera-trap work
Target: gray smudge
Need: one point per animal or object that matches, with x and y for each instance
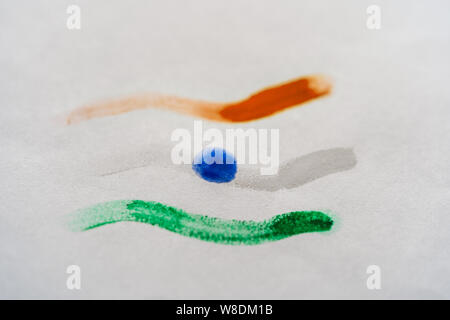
(299, 171)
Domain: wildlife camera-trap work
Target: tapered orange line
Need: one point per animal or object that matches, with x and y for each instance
(259, 105)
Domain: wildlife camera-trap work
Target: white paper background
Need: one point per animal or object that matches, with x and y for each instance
(390, 104)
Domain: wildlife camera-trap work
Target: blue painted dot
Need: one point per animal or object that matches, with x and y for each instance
(215, 165)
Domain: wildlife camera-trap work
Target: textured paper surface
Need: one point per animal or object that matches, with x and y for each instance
(390, 104)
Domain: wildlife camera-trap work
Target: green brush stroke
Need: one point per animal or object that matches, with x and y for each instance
(201, 227)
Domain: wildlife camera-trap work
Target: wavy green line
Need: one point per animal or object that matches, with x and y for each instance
(201, 227)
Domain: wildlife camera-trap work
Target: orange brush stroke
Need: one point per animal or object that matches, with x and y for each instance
(259, 105)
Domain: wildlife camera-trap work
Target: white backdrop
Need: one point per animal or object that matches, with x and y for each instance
(390, 104)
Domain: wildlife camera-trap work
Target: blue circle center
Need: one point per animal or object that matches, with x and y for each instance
(215, 165)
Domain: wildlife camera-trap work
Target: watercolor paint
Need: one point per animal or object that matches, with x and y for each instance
(215, 165)
(261, 104)
(220, 231)
(299, 171)
(291, 174)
